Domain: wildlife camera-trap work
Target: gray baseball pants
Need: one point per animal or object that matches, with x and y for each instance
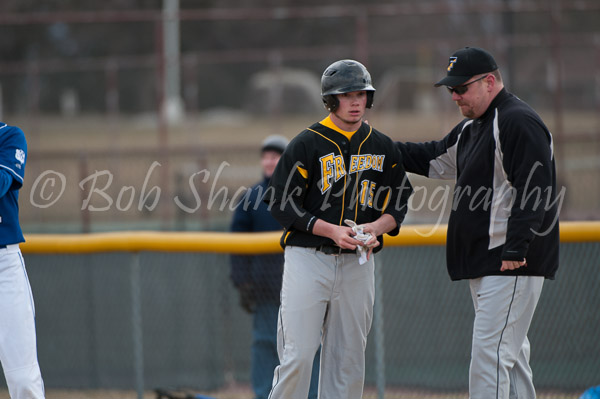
(18, 348)
(327, 300)
(504, 307)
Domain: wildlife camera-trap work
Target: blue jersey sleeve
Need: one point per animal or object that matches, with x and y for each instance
(6, 180)
(13, 153)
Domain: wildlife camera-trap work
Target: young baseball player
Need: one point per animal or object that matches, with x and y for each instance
(337, 173)
(18, 351)
(503, 228)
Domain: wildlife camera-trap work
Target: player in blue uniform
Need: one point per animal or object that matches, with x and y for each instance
(18, 349)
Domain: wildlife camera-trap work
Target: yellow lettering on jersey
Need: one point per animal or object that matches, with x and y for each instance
(380, 162)
(363, 191)
(368, 161)
(361, 162)
(340, 169)
(367, 192)
(365, 162)
(371, 193)
(332, 169)
(353, 164)
(326, 171)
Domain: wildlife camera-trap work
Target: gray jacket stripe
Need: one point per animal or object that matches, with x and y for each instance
(502, 195)
(444, 166)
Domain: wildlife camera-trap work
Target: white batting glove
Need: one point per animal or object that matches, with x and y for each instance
(361, 250)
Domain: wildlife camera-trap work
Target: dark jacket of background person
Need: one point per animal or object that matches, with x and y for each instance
(259, 276)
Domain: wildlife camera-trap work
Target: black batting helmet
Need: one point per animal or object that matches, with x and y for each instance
(345, 76)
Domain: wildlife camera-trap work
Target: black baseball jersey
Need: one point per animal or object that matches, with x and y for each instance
(324, 175)
(505, 204)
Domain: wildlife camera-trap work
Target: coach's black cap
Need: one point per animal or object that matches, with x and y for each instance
(466, 63)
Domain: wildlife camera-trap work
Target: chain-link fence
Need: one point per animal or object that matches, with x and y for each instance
(86, 82)
(160, 319)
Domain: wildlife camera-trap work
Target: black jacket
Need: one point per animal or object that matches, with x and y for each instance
(505, 204)
(262, 273)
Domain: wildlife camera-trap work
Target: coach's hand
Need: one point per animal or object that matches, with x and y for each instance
(512, 264)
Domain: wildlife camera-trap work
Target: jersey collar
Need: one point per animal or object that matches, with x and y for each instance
(327, 122)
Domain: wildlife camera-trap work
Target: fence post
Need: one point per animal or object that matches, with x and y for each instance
(137, 330)
(378, 333)
(85, 213)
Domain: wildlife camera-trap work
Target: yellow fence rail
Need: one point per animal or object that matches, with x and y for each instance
(137, 242)
(243, 243)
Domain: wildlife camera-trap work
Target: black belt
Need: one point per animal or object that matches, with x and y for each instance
(3, 246)
(334, 250)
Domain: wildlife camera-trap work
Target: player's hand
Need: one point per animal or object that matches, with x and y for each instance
(344, 237)
(373, 242)
(512, 264)
(371, 228)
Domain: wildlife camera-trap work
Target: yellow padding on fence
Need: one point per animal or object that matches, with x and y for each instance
(242, 243)
(135, 241)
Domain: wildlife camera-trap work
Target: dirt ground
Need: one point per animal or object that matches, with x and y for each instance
(244, 392)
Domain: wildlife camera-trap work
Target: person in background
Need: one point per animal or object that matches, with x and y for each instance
(258, 278)
(18, 342)
(503, 232)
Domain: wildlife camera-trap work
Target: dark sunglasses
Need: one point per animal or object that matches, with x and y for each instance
(460, 90)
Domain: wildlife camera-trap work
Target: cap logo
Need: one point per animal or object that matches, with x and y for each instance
(451, 64)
